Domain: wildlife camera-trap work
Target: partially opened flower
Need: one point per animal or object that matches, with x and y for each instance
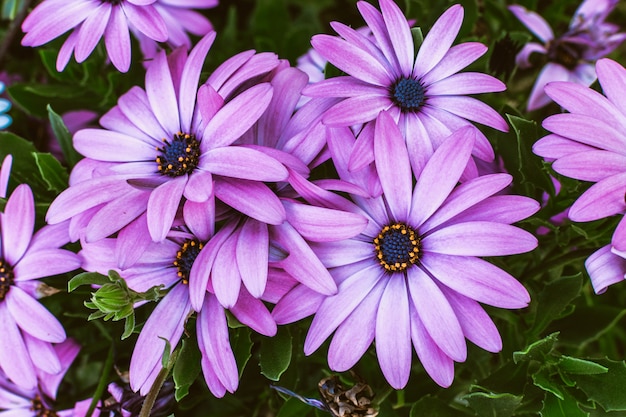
(38, 401)
(174, 140)
(90, 20)
(570, 56)
(28, 329)
(588, 144)
(414, 275)
(423, 93)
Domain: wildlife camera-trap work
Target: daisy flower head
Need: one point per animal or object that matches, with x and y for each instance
(171, 263)
(414, 276)
(90, 20)
(572, 55)
(28, 328)
(587, 144)
(174, 140)
(425, 93)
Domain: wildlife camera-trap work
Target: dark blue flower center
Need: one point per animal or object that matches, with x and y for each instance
(180, 156)
(6, 278)
(397, 246)
(408, 94)
(185, 258)
(40, 409)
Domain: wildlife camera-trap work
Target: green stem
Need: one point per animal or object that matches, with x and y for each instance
(153, 394)
(102, 384)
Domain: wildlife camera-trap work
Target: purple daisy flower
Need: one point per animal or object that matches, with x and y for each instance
(174, 140)
(169, 263)
(424, 94)
(414, 274)
(571, 56)
(28, 329)
(89, 21)
(38, 401)
(587, 144)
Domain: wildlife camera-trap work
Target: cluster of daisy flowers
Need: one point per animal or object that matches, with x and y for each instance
(204, 187)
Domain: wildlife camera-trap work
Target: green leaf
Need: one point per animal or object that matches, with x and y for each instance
(606, 389)
(64, 137)
(275, 354)
(491, 404)
(554, 300)
(561, 407)
(129, 326)
(242, 347)
(545, 380)
(187, 367)
(538, 350)
(580, 366)
(432, 407)
(167, 352)
(87, 278)
(294, 408)
(52, 172)
(418, 38)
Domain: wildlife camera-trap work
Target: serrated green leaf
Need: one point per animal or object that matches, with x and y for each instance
(64, 137)
(87, 278)
(544, 380)
(561, 407)
(538, 350)
(606, 389)
(275, 354)
(580, 366)
(488, 404)
(187, 367)
(52, 172)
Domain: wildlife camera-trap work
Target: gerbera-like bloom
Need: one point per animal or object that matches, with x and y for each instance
(424, 94)
(27, 327)
(90, 20)
(174, 140)
(415, 274)
(5, 106)
(37, 402)
(570, 56)
(588, 144)
(169, 263)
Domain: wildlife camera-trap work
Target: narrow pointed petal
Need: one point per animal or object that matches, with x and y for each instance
(318, 224)
(39, 322)
(550, 73)
(436, 314)
(225, 276)
(14, 358)
(117, 40)
(534, 22)
(587, 130)
(242, 162)
(605, 269)
(161, 94)
(162, 206)
(147, 20)
(466, 83)
(436, 363)
(591, 165)
(42, 354)
(393, 166)
(18, 223)
(438, 40)
(457, 58)
(297, 304)
(254, 314)
(106, 145)
(393, 334)
(252, 198)
(335, 309)
(199, 187)
(45, 263)
(433, 187)
(356, 110)
(253, 256)
(471, 109)
(200, 218)
(91, 30)
(399, 34)
(487, 239)
(477, 279)
(355, 335)
(603, 199)
(612, 78)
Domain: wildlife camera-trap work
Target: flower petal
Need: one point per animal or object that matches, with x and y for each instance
(253, 256)
(225, 275)
(243, 162)
(534, 22)
(45, 263)
(252, 198)
(162, 206)
(14, 358)
(162, 96)
(32, 317)
(18, 223)
(605, 268)
(603, 199)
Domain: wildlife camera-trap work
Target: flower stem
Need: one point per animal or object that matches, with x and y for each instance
(102, 384)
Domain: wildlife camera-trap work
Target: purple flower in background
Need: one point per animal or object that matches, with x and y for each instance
(588, 144)
(414, 274)
(174, 139)
(571, 56)
(424, 94)
(38, 401)
(27, 327)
